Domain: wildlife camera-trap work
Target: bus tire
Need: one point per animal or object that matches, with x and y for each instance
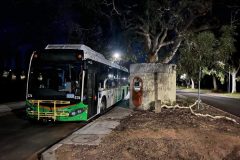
(123, 95)
(103, 105)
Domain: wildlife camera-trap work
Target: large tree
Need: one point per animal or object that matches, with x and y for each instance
(162, 24)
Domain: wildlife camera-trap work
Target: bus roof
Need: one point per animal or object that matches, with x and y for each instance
(88, 54)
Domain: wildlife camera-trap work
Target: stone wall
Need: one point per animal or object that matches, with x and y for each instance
(158, 84)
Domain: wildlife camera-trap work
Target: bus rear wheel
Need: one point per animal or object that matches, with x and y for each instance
(103, 105)
(123, 95)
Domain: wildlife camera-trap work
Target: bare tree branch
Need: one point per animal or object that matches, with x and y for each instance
(147, 39)
(167, 43)
(199, 114)
(156, 39)
(163, 38)
(204, 28)
(114, 8)
(172, 53)
(238, 68)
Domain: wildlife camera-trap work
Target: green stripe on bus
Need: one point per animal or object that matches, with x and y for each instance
(79, 117)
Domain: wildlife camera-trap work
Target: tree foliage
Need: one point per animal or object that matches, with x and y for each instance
(227, 43)
(228, 49)
(215, 56)
(197, 50)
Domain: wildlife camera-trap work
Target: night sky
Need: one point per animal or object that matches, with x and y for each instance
(31, 25)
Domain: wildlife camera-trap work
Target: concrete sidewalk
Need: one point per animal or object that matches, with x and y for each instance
(8, 107)
(92, 133)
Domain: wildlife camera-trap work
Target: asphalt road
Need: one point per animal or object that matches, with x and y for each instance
(21, 140)
(231, 105)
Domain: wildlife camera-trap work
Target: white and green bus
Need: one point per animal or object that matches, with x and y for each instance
(72, 83)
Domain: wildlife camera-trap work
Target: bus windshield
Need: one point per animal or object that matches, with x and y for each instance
(55, 80)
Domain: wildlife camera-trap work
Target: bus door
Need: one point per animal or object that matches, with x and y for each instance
(92, 93)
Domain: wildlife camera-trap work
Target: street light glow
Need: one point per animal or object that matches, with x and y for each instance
(116, 55)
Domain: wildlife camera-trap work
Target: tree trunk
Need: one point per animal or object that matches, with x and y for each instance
(234, 73)
(215, 87)
(192, 84)
(152, 58)
(170, 56)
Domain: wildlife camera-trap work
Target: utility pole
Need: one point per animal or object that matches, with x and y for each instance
(199, 86)
(229, 80)
(199, 82)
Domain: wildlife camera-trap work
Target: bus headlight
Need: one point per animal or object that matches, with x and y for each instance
(75, 112)
(29, 109)
(72, 113)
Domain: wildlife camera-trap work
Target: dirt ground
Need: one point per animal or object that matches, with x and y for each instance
(171, 134)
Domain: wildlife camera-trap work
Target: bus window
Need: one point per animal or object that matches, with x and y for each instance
(47, 79)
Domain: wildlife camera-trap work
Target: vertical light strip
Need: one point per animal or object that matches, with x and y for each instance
(83, 79)
(29, 67)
